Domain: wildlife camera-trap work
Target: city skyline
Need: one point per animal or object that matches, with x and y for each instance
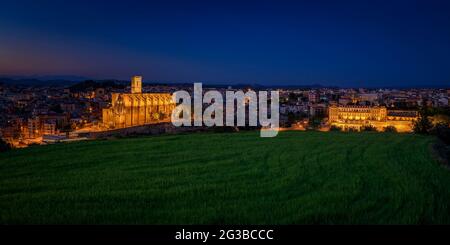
(346, 44)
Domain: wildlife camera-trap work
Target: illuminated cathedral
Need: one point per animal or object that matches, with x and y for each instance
(137, 108)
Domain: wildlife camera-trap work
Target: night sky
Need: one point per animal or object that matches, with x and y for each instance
(343, 43)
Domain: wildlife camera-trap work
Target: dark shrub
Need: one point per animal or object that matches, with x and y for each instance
(368, 128)
(442, 131)
(4, 146)
(390, 129)
(335, 128)
(423, 124)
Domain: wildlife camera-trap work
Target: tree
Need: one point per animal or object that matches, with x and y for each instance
(56, 108)
(442, 131)
(292, 118)
(335, 128)
(390, 129)
(423, 124)
(368, 128)
(440, 119)
(4, 146)
(293, 97)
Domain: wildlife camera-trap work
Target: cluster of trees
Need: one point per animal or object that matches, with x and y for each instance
(4, 146)
(440, 127)
(390, 129)
(424, 125)
(366, 128)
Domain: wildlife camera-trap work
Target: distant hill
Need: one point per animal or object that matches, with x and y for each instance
(68, 80)
(81, 82)
(91, 84)
(35, 82)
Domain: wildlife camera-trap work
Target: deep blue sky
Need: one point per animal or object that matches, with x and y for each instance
(345, 43)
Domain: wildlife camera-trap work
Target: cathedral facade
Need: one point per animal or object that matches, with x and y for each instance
(137, 108)
(356, 117)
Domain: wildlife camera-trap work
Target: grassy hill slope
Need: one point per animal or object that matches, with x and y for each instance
(236, 178)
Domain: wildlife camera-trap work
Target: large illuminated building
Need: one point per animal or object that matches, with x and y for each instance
(356, 117)
(137, 108)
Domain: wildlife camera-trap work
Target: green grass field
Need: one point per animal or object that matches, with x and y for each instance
(228, 178)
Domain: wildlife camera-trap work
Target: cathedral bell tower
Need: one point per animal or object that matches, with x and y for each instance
(136, 85)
